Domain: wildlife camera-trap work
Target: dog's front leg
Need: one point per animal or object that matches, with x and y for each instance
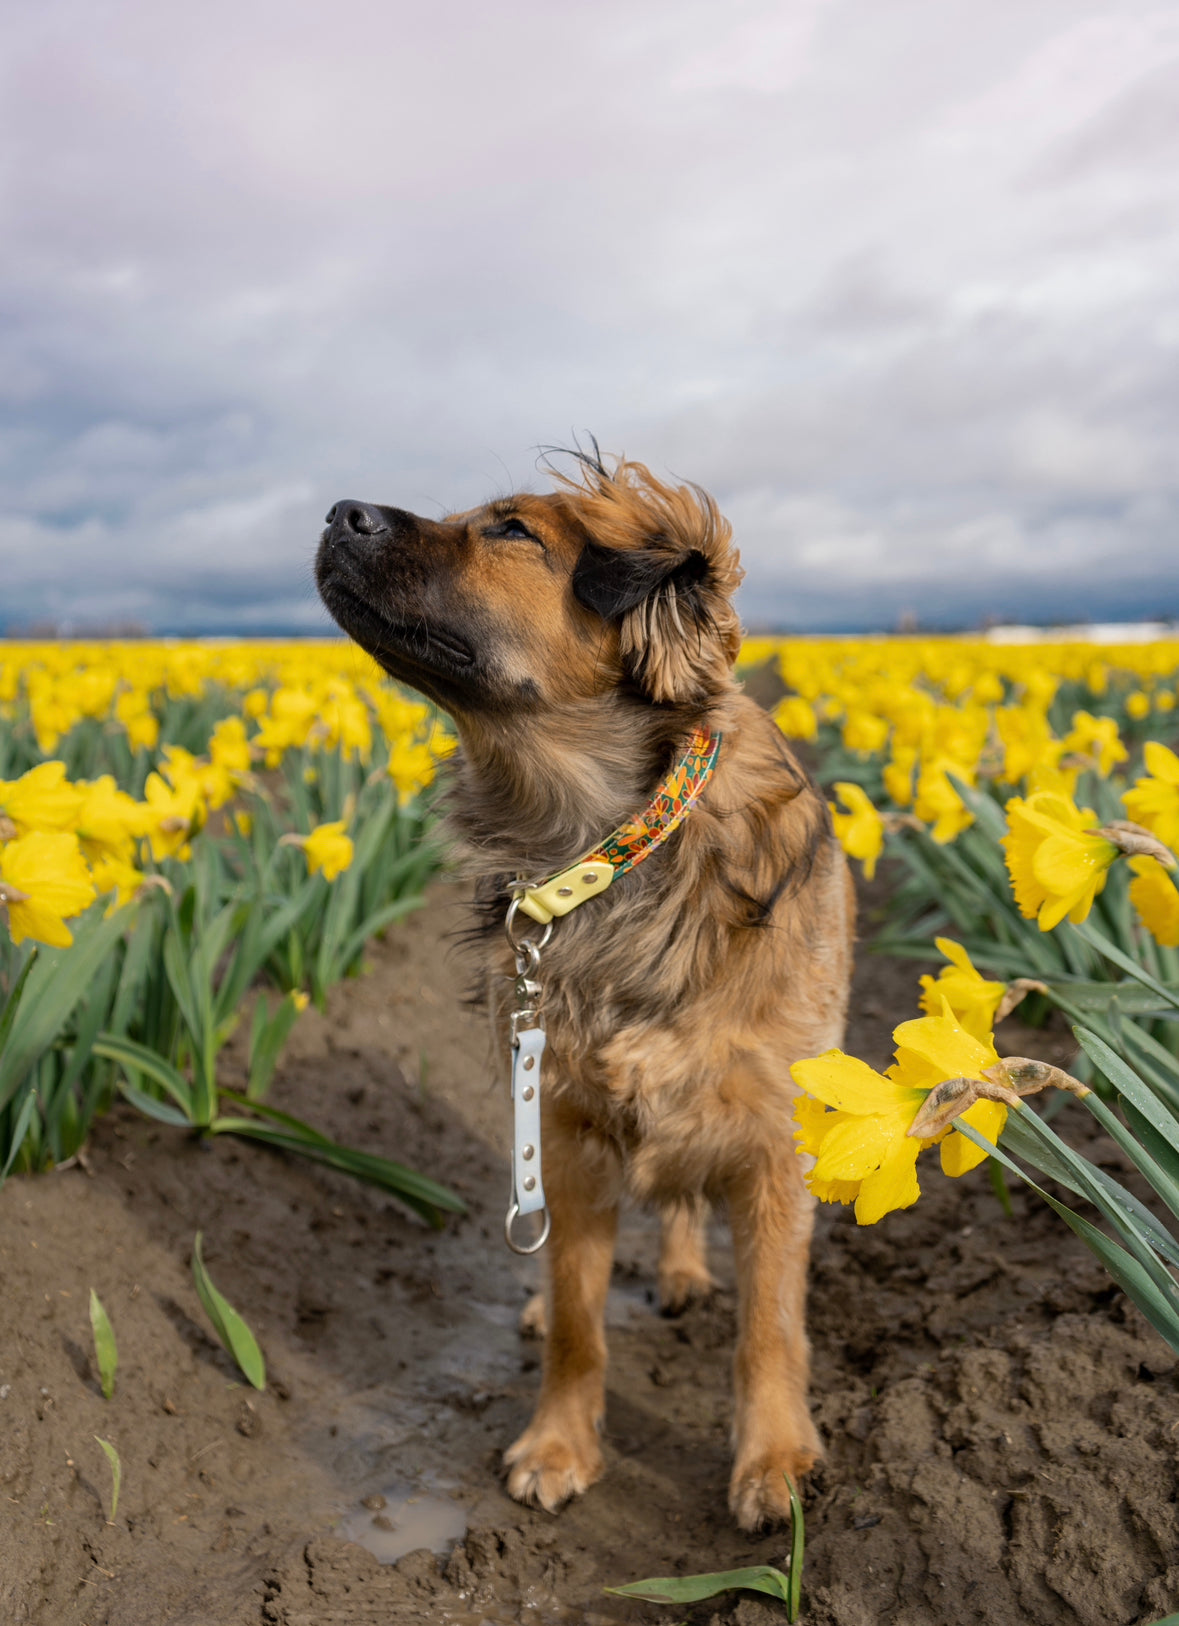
(771, 1215)
(558, 1455)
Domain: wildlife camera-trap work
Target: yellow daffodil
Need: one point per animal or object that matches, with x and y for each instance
(1096, 737)
(329, 851)
(173, 816)
(860, 829)
(862, 1147)
(214, 781)
(229, 748)
(1028, 743)
(344, 724)
(43, 883)
(972, 998)
(937, 801)
(1039, 686)
(229, 745)
(51, 716)
(1153, 893)
(1154, 801)
(291, 718)
(117, 875)
(1056, 861)
(931, 1049)
(108, 821)
(796, 718)
(1057, 781)
(41, 799)
(812, 1121)
(987, 689)
(957, 737)
(898, 774)
(133, 709)
(865, 1141)
(862, 731)
(398, 716)
(414, 763)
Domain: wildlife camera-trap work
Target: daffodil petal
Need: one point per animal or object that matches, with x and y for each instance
(845, 1082)
(940, 1046)
(960, 1155)
(893, 1185)
(858, 1146)
(954, 952)
(31, 919)
(1161, 762)
(812, 1121)
(833, 1191)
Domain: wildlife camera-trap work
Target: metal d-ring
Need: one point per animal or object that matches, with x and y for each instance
(510, 1219)
(525, 945)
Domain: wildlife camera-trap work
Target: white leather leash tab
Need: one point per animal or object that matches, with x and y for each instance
(529, 1189)
(527, 1033)
(527, 1184)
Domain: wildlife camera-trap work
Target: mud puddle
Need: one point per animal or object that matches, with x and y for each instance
(397, 1520)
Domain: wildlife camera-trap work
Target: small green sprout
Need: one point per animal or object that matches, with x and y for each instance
(112, 1456)
(106, 1351)
(787, 1588)
(231, 1329)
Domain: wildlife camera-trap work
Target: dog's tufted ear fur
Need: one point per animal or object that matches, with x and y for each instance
(660, 563)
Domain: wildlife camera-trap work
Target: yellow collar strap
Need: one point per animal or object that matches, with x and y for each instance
(631, 842)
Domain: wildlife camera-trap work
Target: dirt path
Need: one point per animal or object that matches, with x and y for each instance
(1002, 1430)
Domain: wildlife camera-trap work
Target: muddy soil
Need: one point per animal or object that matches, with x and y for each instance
(1002, 1429)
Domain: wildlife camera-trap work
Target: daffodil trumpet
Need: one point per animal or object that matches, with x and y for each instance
(1008, 1083)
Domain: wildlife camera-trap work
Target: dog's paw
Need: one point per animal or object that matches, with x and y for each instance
(533, 1321)
(547, 1466)
(759, 1496)
(679, 1288)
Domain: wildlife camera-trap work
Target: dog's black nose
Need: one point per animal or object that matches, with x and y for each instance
(350, 518)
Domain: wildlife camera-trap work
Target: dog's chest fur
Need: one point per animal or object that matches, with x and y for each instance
(676, 1001)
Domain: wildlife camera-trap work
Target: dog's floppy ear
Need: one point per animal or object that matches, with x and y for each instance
(615, 580)
(660, 564)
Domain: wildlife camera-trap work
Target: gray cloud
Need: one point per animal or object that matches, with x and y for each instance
(896, 282)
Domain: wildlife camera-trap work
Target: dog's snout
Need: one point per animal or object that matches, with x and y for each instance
(350, 518)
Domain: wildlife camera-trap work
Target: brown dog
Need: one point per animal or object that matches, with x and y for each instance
(577, 639)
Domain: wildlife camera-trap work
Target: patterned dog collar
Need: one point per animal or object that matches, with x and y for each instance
(631, 842)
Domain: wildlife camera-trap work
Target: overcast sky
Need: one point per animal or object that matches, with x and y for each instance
(898, 281)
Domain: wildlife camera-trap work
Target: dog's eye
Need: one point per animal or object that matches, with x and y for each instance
(509, 528)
